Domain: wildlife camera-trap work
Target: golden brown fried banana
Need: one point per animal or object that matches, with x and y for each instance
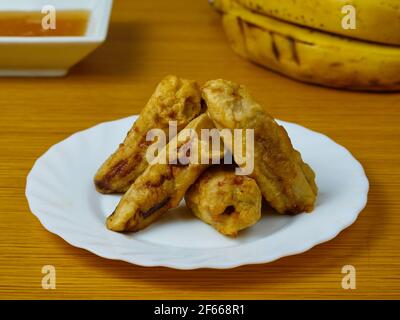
(173, 100)
(162, 186)
(226, 201)
(285, 181)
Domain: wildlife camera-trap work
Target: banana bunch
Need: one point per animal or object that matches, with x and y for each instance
(305, 40)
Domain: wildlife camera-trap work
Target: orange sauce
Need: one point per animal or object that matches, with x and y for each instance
(29, 24)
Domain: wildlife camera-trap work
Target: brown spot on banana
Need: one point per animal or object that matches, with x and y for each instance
(293, 47)
(241, 28)
(252, 25)
(274, 47)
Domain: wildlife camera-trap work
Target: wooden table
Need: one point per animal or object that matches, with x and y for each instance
(147, 40)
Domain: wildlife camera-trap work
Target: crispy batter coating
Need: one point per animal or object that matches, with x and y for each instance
(285, 181)
(226, 201)
(160, 187)
(173, 100)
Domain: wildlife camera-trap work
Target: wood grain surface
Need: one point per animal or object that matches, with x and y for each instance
(148, 40)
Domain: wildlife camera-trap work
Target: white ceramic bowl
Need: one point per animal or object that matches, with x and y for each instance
(52, 56)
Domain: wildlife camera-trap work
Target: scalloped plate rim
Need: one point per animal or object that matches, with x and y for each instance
(296, 248)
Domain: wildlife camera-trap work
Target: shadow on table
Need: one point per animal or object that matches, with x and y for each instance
(121, 54)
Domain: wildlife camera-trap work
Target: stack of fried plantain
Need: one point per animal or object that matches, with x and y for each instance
(306, 40)
(215, 193)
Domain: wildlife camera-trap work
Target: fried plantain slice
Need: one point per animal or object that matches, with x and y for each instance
(162, 185)
(174, 99)
(225, 200)
(285, 181)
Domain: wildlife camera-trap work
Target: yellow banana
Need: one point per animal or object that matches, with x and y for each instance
(224, 6)
(376, 20)
(312, 56)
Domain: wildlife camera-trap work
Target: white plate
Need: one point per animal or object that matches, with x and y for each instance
(61, 194)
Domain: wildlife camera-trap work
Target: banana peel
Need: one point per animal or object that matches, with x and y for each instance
(310, 55)
(376, 21)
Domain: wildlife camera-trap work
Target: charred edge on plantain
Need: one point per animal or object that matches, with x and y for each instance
(119, 169)
(203, 105)
(155, 208)
(159, 182)
(102, 185)
(229, 210)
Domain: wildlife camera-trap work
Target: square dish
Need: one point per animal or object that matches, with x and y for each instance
(52, 56)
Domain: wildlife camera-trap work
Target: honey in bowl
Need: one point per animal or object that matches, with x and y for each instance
(71, 23)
